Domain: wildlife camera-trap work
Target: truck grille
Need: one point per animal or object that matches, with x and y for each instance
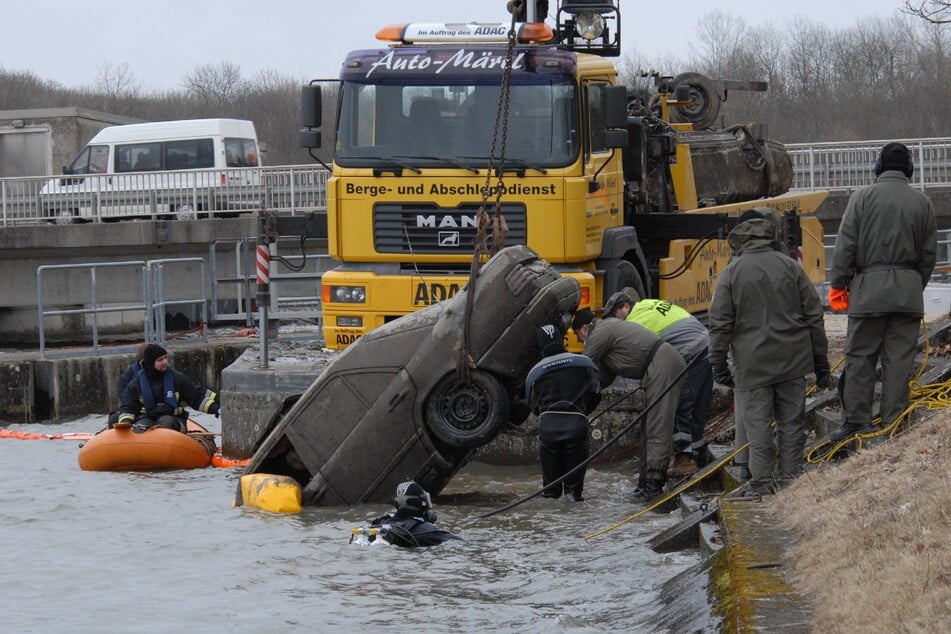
(433, 229)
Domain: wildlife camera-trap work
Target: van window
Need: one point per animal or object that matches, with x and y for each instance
(139, 157)
(189, 154)
(94, 159)
(170, 155)
(241, 153)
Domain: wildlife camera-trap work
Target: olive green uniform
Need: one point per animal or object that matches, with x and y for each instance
(767, 315)
(884, 255)
(630, 350)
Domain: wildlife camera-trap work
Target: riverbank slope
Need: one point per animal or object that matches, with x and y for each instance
(872, 534)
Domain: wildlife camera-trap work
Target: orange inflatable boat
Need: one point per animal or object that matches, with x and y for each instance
(155, 449)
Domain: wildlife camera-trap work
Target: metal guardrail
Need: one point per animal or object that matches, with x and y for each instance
(284, 304)
(152, 305)
(185, 194)
(848, 166)
(943, 263)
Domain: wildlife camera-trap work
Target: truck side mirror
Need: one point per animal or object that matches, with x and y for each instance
(615, 107)
(310, 139)
(310, 113)
(615, 138)
(310, 106)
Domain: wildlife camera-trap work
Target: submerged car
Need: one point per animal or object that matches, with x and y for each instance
(391, 407)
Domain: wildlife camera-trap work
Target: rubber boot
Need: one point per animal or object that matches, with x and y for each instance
(551, 470)
(848, 430)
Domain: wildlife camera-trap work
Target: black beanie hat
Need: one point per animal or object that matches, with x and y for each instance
(894, 156)
(550, 340)
(582, 317)
(152, 352)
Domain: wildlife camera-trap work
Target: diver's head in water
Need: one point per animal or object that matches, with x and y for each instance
(412, 499)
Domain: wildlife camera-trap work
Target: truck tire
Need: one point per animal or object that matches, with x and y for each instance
(468, 415)
(706, 102)
(626, 275)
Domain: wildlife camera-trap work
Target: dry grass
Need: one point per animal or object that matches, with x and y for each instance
(873, 535)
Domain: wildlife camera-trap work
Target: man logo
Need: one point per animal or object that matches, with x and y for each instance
(448, 238)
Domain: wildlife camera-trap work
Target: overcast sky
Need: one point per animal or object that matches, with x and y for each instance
(162, 41)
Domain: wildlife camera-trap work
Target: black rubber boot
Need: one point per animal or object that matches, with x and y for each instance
(848, 430)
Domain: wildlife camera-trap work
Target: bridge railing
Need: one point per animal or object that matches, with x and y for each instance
(184, 194)
(848, 165)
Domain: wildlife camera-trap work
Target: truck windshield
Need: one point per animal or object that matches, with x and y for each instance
(454, 123)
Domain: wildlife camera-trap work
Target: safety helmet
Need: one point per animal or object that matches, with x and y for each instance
(412, 497)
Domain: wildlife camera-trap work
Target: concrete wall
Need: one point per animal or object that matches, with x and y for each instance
(53, 389)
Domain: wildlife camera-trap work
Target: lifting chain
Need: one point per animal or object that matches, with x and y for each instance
(481, 246)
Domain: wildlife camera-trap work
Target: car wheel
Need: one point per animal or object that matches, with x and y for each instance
(467, 415)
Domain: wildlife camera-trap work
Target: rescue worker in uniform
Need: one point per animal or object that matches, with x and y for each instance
(562, 389)
(124, 379)
(691, 339)
(884, 254)
(155, 396)
(414, 521)
(766, 314)
(630, 350)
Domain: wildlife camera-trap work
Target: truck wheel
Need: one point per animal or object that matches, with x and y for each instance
(467, 415)
(706, 102)
(626, 275)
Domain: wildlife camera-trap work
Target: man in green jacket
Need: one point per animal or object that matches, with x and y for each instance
(766, 314)
(630, 350)
(884, 255)
(690, 338)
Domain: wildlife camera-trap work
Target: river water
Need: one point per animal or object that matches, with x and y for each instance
(163, 552)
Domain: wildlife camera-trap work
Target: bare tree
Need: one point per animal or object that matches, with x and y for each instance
(934, 11)
(214, 84)
(116, 80)
(722, 36)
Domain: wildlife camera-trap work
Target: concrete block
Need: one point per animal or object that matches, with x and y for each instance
(937, 297)
(16, 392)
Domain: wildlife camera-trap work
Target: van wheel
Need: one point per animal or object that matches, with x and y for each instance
(467, 415)
(185, 212)
(64, 217)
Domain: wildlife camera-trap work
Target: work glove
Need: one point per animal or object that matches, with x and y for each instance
(820, 365)
(722, 374)
(838, 299)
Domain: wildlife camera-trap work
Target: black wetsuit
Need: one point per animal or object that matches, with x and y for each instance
(561, 390)
(402, 528)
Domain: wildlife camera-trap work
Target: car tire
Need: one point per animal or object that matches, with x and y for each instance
(469, 415)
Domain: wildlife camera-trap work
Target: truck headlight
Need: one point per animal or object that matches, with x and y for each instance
(590, 26)
(348, 294)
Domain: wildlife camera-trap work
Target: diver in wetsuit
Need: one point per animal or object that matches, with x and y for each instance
(561, 389)
(414, 521)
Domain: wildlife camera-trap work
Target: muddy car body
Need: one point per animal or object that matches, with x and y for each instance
(391, 408)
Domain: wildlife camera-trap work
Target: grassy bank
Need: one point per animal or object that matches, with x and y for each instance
(873, 534)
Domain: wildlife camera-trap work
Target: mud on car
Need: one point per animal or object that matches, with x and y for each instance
(391, 407)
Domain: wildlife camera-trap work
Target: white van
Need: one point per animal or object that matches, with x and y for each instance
(183, 169)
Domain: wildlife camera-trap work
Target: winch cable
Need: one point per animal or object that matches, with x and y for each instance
(637, 419)
(480, 245)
